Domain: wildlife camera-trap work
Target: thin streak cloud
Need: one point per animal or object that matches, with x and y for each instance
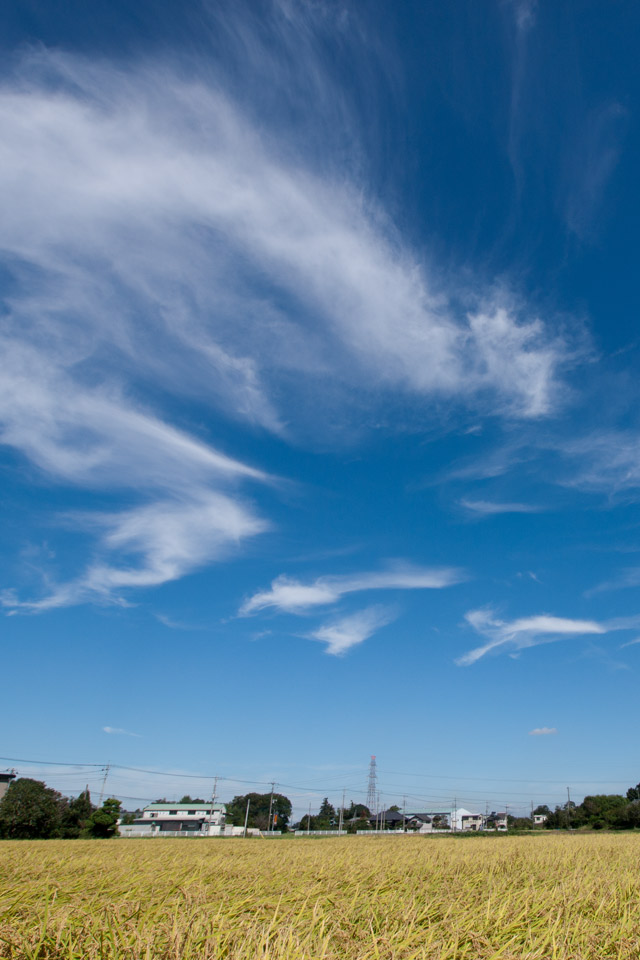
(293, 596)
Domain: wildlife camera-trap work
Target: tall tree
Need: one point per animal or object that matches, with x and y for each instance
(326, 815)
(259, 804)
(103, 823)
(75, 815)
(30, 810)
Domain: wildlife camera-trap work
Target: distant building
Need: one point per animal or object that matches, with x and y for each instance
(472, 821)
(386, 820)
(539, 819)
(497, 821)
(457, 819)
(171, 819)
(5, 780)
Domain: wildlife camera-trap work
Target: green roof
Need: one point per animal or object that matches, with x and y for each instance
(186, 806)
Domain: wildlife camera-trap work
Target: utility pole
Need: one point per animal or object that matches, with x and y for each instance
(213, 801)
(404, 808)
(341, 817)
(568, 809)
(270, 807)
(309, 821)
(246, 819)
(104, 781)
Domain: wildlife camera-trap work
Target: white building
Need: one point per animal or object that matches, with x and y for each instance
(472, 821)
(457, 819)
(539, 819)
(178, 819)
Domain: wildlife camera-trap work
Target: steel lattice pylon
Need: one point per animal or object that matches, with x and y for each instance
(372, 786)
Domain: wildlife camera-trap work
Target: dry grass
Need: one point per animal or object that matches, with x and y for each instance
(551, 897)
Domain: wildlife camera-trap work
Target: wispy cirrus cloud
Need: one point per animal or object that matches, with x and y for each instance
(629, 577)
(523, 632)
(121, 731)
(606, 461)
(489, 508)
(187, 220)
(630, 643)
(165, 242)
(345, 632)
(596, 148)
(543, 732)
(293, 596)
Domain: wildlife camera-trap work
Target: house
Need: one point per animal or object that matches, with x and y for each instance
(456, 818)
(472, 821)
(178, 819)
(5, 780)
(387, 820)
(539, 819)
(496, 821)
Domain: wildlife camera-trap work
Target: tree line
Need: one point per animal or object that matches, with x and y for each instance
(604, 811)
(30, 810)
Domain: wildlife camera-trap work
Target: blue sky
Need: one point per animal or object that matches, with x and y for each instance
(318, 397)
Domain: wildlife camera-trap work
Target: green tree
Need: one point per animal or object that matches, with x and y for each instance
(188, 799)
(633, 793)
(357, 810)
(130, 816)
(600, 811)
(629, 816)
(326, 816)
(259, 810)
(308, 823)
(103, 823)
(519, 823)
(30, 810)
(75, 815)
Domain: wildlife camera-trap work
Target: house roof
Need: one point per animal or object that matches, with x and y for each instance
(430, 814)
(182, 807)
(392, 815)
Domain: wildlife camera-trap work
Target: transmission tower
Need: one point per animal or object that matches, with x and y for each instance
(372, 786)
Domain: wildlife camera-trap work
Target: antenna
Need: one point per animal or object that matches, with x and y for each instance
(372, 785)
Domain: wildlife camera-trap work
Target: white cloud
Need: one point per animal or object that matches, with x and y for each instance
(163, 540)
(346, 632)
(163, 243)
(489, 508)
(630, 643)
(543, 732)
(607, 461)
(626, 578)
(292, 596)
(119, 730)
(524, 632)
(155, 211)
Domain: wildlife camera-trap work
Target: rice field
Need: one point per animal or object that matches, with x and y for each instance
(548, 896)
